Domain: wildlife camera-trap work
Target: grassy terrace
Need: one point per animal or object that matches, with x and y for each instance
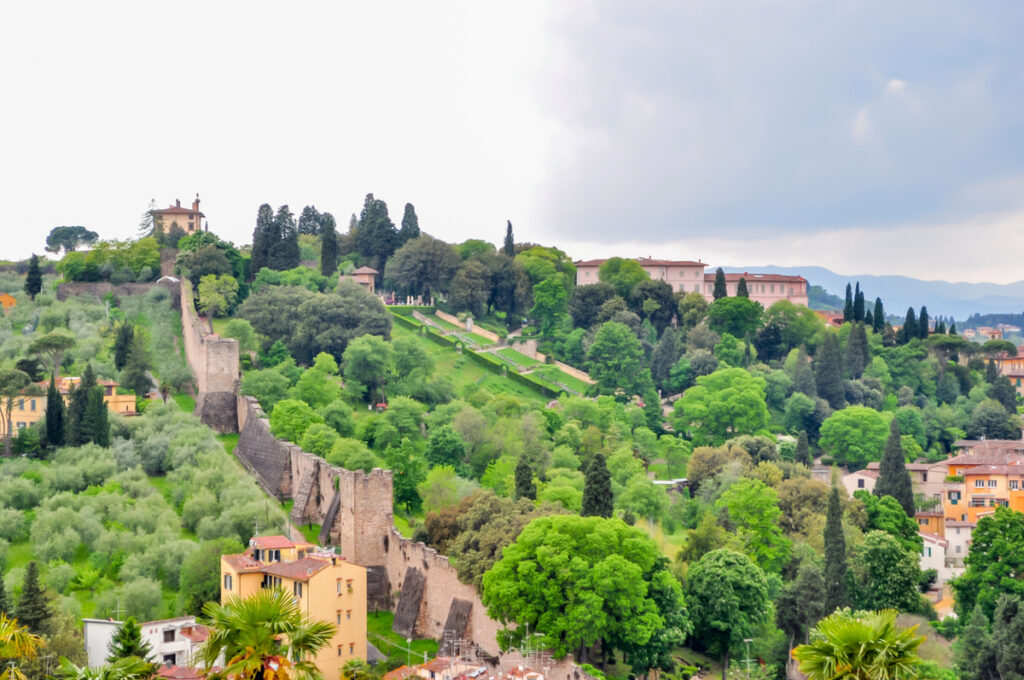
(392, 645)
(444, 325)
(517, 357)
(554, 374)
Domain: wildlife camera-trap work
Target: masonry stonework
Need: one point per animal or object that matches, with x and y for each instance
(214, 364)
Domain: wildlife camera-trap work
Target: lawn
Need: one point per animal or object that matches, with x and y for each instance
(185, 402)
(441, 323)
(478, 340)
(517, 357)
(393, 645)
(554, 374)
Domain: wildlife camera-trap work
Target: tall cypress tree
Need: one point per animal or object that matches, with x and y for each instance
(328, 246)
(741, 288)
(54, 416)
(34, 279)
(525, 486)
(803, 450)
(878, 318)
(848, 305)
(127, 641)
(263, 237)
(940, 327)
(952, 329)
(123, 343)
(909, 330)
(803, 375)
(828, 372)
(97, 417)
(720, 290)
(858, 355)
(893, 478)
(410, 225)
(33, 610)
(5, 603)
(858, 304)
(285, 253)
(922, 323)
(869, 319)
(597, 489)
(509, 247)
(835, 555)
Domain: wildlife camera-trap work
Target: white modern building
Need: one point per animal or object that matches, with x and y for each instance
(174, 641)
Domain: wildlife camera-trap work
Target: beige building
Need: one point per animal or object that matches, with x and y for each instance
(191, 220)
(29, 410)
(364, 276)
(325, 587)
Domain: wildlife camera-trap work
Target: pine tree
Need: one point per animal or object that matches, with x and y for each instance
(878, 318)
(803, 450)
(858, 304)
(974, 654)
(127, 641)
(5, 603)
(54, 416)
(848, 305)
(33, 610)
(78, 429)
(835, 555)
(597, 489)
(328, 246)
(309, 221)
(509, 247)
(525, 486)
(741, 288)
(97, 417)
(828, 372)
(34, 279)
(134, 376)
(858, 355)
(263, 237)
(123, 343)
(720, 290)
(410, 225)
(922, 323)
(909, 331)
(893, 478)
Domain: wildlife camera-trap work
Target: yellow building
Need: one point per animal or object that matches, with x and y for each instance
(189, 220)
(7, 301)
(29, 410)
(325, 586)
(983, 480)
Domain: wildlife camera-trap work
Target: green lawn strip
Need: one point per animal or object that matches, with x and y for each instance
(402, 524)
(185, 402)
(19, 555)
(517, 357)
(230, 441)
(554, 374)
(393, 645)
(311, 532)
(220, 326)
(479, 339)
(445, 325)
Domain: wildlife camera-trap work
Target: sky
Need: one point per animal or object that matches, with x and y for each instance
(865, 137)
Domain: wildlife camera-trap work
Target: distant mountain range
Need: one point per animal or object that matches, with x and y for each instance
(959, 300)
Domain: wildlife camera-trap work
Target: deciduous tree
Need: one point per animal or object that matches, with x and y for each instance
(725, 404)
(69, 239)
(994, 562)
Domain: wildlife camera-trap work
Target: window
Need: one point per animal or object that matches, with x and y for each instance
(1014, 484)
(860, 483)
(297, 588)
(773, 288)
(958, 547)
(339, 586)
(170, 659)
(924, 476)
(339, 618)
(992, 483)
(351, 648)
(32, 404)
(348, 614)
(348, 582)
(339, 650)
(168, 636)
(928, 552)
(227, 581)
(979, 483)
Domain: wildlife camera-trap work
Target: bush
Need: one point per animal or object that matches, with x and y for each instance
(318, 439)
(338, 415)
(291, 418)
(59, 576)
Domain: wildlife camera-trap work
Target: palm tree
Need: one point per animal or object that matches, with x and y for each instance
(263, 637)
(356, 669)
(16, 643)
(127, 668)
(860, 646)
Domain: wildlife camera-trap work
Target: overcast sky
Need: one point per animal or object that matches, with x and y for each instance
(866, 137)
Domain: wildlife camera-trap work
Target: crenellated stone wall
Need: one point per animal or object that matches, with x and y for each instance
(214, 364)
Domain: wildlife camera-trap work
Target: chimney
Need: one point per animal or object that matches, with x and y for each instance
(177, 203)
(195, 204)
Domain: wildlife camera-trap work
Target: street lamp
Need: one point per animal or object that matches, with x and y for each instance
(747, 641)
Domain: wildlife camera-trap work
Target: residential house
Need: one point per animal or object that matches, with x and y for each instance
(861, 480)
(364, 276)
(174, 642)
(190, 220)
(1012, 366)
(933, 555)
(325, 587)
(764, 288)
(29, 410)
(7, 301)
(989, 474)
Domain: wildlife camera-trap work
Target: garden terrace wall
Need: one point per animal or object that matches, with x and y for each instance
(214, 364)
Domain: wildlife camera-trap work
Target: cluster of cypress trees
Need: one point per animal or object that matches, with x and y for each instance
(83, 420)
(275, 241)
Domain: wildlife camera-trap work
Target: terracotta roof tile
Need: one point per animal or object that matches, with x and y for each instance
(271, 542)
(299, 570)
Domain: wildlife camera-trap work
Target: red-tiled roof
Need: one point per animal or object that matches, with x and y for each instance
(180, 673)
(400, 673)
(176, 210)
(196, 633)
(928, 513)
(242, 562)
(770, 278)
(438, 664)
(365, 270)
(1012, 469)
(299, 570)
(271, 542)
(934, 538)
(651, 262)
(959, 523)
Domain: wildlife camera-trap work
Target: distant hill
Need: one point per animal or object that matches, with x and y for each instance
(959, 300)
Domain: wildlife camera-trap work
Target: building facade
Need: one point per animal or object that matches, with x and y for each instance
(191, 220)
(29, 410)
(174, 642)
(325, 587)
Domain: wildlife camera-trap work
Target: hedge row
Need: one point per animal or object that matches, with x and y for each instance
(407, 321)
(407, 310)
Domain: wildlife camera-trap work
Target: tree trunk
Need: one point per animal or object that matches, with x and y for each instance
(725, 664)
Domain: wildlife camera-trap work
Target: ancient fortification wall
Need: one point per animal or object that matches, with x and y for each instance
(214, 364)
(100, 288)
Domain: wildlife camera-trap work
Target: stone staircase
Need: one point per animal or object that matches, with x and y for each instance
(300, 511)
(332, 514)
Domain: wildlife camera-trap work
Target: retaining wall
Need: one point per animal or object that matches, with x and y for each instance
(100, 288)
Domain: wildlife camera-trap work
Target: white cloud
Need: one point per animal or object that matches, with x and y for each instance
(896, 86)
(861, 126)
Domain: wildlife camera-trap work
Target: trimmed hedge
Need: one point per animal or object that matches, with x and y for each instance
(535, 384)
(407, 321)
(407, 310)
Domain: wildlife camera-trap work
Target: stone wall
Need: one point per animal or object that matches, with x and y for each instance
(100, 288)
(214, 364)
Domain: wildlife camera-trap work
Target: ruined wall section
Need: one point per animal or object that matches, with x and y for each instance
(214, 364)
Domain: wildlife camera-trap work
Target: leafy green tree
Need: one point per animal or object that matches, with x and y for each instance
(622, 274)
(34, 278)
(550, 304)
(128, 642)
(828, 372)
(857, 645)
(328, 322)
(410, 225)
(884, 513)
(893, 477)
(6, 605)
(329, 247)
(369, 361)
(318, 439)
(422, 267)
(801, 602)
(616, 361)
(989, 420)
(597, 489)
(577, 580)
(205, 260)
(586, 303)
(835, 555)
(446, 447)
(525, 486)
(858, 356)
(728, 599)
(135, 375)
(692, 309)
(753, 509)
(266, 626)
(725, 404)
(53, 345)
(884, 575)
(974, 654)
(655, 302)
(268, 386)
(720, 290)
(12, 383)
(994, 562)
(470, 288)
(737, 316)
(1002, 391)
(200, 573)
(217, 294)
(509, 246)
(408, 471)
(122, 343)
(291, 418)
(69, 239)
(309, 221)
(854, 436)
(33, 610)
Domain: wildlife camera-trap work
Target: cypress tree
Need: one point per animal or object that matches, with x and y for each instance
(123, 343)
(720, 290)
(940, 327)
(328, 246)
(509, 247)
(858, 304)
(835, 555)
(869, 319)
(848, 305)
(73, 418)
(127, 641)
(909, 331)
(525, 486)
(34, 279)
(54, 416)
(857, 353)
(952, 328)
(262, 239)
(878, 318)
(803, 375)
(828, 372)
(5, 603)
(893, 478)
(991, 374)
(410, 225)
(741, 288)
(285, 253)
(134, 376)
(33, 610)
(803, 450)
(97, 418)
(597, 489)
(922, 323)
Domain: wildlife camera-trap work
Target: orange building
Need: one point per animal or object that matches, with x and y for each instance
(1012, 366)
(189, 220)
(980, 482)
(324, 585)
(7, 301)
